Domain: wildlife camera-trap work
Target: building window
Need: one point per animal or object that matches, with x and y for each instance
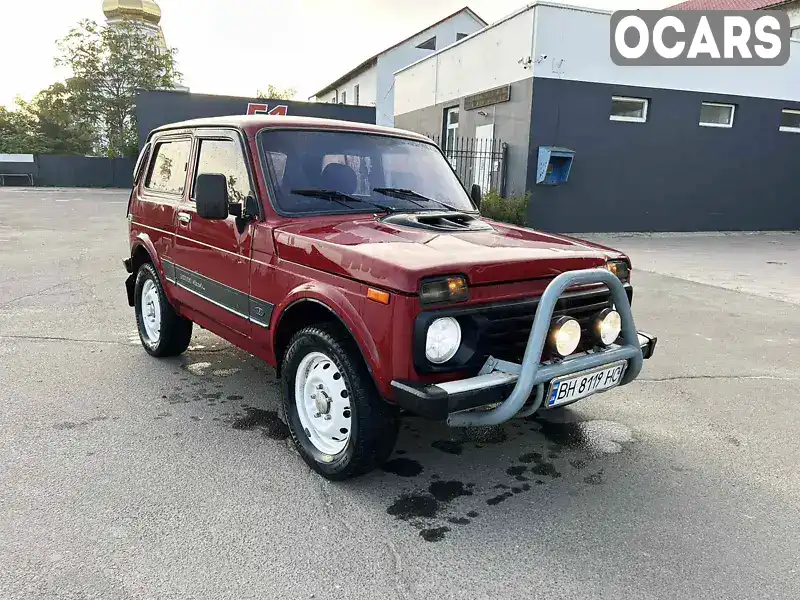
(344, 97)
(333, 100)
(450, 130)
(790, 120)
(633, 110)
(461, 36)
(428, 44)
(356, 94)
(713, 114)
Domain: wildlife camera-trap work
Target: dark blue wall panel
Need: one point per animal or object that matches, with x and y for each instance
(668, 174)
(84, 171)
(157, 108)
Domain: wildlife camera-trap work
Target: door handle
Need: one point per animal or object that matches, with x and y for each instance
(185, 218)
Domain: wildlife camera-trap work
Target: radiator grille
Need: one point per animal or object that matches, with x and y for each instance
(507, 327)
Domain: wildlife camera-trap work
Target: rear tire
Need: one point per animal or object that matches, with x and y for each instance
(163, 331)
(338, 421)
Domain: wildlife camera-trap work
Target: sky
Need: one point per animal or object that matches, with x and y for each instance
(235, 47)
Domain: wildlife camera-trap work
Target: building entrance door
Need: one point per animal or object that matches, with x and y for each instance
(484, 142)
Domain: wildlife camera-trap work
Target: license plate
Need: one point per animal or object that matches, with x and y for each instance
(586, 383)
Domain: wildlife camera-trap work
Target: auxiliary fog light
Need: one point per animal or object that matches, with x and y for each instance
(565, 335)
(443, 340)
(607, 326)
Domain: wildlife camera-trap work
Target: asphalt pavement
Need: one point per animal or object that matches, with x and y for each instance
(124, 476)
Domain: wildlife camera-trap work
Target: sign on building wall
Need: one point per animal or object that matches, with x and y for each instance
(487, 98)
(255, 108)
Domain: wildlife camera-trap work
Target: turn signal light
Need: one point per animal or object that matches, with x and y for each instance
(620, 268)
(444, 289)
(378, 296)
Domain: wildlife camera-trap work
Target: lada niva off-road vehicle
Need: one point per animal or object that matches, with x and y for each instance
(352, 259)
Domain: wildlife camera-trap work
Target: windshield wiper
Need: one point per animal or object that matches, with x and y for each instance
(409, 194)
(340, 197)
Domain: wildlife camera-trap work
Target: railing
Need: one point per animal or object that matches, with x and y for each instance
(477, 161)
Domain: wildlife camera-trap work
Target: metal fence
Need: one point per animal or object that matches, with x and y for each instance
(50, 170)
(477, 161)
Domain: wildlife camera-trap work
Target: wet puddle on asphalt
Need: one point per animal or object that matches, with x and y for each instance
(561, 447)
(543, 450)
(267, 421)
(200, 379)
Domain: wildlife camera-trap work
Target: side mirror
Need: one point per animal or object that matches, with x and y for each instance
(211, 196)
(476, 195)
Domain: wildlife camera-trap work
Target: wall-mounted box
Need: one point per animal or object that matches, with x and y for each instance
(554, 165)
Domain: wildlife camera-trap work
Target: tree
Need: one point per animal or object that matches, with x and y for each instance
(17, 133)
(58, 121)
(108, 64)
(50, 123)
(273, 93)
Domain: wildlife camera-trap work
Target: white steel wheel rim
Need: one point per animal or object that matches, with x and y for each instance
(323, 403)
(151, 312)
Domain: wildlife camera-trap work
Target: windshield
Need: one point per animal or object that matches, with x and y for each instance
(366, 172)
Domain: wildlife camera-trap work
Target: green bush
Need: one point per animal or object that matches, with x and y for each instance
(507, 210)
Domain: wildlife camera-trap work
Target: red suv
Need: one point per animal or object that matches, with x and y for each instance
(352, 259)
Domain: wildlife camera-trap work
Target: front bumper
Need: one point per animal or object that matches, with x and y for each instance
(438, 401)
(511, 386)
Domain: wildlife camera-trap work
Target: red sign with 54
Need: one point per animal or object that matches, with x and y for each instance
(255, 108)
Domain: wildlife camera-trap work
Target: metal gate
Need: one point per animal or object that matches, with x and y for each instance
(480, 160)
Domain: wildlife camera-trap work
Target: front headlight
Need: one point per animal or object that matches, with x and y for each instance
(443, 340)
(620, 268)
(565, 335)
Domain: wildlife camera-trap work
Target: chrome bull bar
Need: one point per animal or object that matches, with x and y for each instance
(532, 374)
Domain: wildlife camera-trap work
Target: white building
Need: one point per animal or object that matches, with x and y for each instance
(668, 148)
(372, 82)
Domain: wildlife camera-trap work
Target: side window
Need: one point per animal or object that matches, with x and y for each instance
(225, 158)
(140, 162)
(168, 169)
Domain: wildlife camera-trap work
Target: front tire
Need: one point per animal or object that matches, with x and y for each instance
(338, 421)
(163, 331)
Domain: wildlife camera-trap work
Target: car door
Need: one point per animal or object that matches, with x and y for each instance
(212, 257)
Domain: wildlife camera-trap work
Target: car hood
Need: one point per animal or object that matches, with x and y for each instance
(396, 257)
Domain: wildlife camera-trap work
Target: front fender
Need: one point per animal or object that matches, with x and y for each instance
(347, 312)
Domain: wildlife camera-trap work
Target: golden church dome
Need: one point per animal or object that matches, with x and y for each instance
(144, 10)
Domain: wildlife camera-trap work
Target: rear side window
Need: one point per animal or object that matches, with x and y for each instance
(225, 157)
(140, 162)
(168, 167)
